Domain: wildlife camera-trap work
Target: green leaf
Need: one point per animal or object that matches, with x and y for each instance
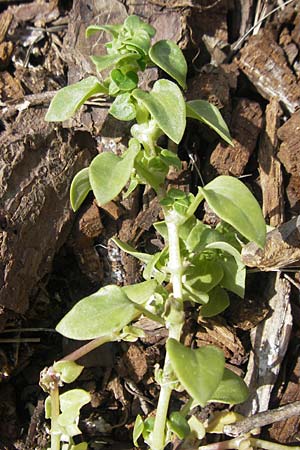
(140, 41)
(103, 313)
(234, 277)
(218, 302)
(170, 158)
(168, 56)
(125, 82)
(199, 371)
(72, 401)
(144, 257)
(80, 446)
(106, 61)
(204, 274)
(232, 389)
(234, 203)
(133, 23)
(113, 29)
(109, 173)
(80, 188)
(123, 108)
(166, 104)
(141, 292)
(179, 425)
(197, 427)
(210, 115)
(69, 370)
(137, 429)
(68, 99)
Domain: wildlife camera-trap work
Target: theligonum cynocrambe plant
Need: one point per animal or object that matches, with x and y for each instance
(198, 264)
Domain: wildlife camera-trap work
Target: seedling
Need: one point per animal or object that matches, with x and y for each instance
(198, 264)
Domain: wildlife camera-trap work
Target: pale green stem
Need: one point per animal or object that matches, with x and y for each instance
(84, 349)
(55, 411)
(175, 267)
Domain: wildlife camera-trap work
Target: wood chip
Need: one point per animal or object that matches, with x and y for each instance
(264, 63)
(270, 168)
(269, 343)
(245, 127)
(289, 151)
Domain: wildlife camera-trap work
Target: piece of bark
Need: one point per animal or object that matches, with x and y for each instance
(287, 431)
(270, 168)
(10, 87)
(264, 63)
(293, 194)
(5, 21)
(38, 162)
(282, 248)
(269, 344)
(6, 49)
(289, 151)
(245, 127)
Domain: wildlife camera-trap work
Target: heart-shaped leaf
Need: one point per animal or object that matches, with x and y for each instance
(235, 204)
(166, 104)
(68, 99)
(210, 115)
(168, 56)
(199, 371)
(108, 173)
(103, 313)
(232, 389)
(80, 188)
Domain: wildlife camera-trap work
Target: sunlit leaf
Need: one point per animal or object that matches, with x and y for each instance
(210, 115)
(141, 292)
(168, 56)
(179, 425)
(125, 82)
(232, 389)
(134, 23)
(105, 312)
(108, 173)
(234, 203)
(144, 257)
(166, 104)
(113, 29)
(69, 370)
(137, 429)
(234, 277)
(204, 274)
(68, 99)
(197, 427)
(123, 108)
(218, 302)
(199, 370)
(106, 61)
(222, 418)
(80, 188)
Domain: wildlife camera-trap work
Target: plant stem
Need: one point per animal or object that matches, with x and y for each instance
(55, 435)
(86, 348)
(175, 267)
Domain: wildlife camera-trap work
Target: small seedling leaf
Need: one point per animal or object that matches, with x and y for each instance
(80, 188)
(144, 257)
(210, 115)
(204, 274)
(234, 203)
(179, 425)
(68, 99)
(222, 418)
(108, 173)
(69, 370)
(113, 29)
(73, 400)
(166, 104)
(106, 61)
(232, 389)
(105, 312)
(141, 292)
(137, 429)
(168, 56)
(197, 427)
(218, 302)
(199, 370)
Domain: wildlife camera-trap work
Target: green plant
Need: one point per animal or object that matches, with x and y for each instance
(198, 264)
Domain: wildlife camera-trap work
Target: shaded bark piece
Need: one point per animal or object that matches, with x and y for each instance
(269, 344)
(6, 49)
(289, 151)
(10, 87)
(5, 21)
(287, 431)
(134, 363)
(293, 194)
(264, 63)
(216, 332)
(290, 48)
(88, 226)
(282, 248)
(270, 168)
(245, 127)
(37, 12)
(38, 163)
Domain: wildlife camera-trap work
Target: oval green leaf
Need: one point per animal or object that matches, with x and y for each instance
(166, 104)
(234, 203)
(122, 107)
(218, 302)
(179, 425)
(144, 257)
(69, 370)
(113, 29)
(141, 292)
(199, 371)
(137, 429)
(80, 188)
(108, 173)
(103, 313)
(106, 61)
(169, 57)
(232, 389)
(68, 99)
(210, 115)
